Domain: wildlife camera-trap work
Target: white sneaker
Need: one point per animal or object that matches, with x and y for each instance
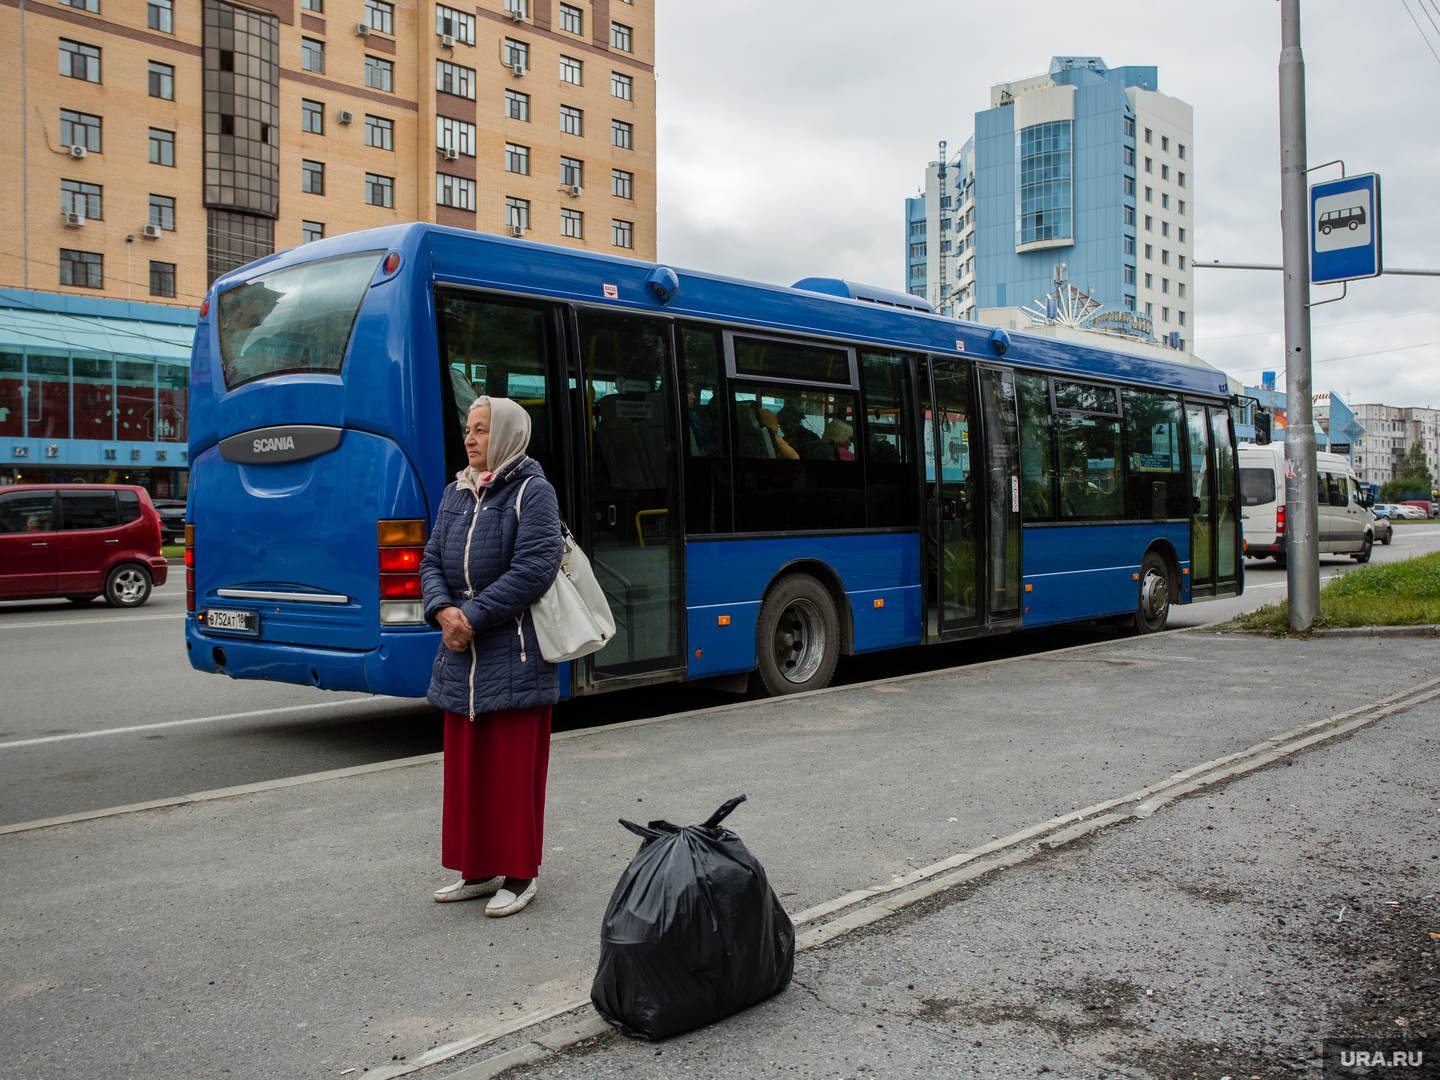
(460, 891)
(506, 902)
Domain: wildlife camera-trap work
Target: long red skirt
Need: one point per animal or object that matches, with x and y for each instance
(494, 816)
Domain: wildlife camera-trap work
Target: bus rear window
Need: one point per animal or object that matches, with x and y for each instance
(1257, 487)
(293, 321)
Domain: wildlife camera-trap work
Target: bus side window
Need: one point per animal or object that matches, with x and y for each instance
(1037, 449)
(797, 464)
(707, 472)
(502, 350)
(1155, 478)
(1090, 485)
(892, 469)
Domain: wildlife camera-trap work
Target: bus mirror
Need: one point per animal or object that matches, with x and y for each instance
(1262, 428)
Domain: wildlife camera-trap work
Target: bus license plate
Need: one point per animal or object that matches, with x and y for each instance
(234, 622)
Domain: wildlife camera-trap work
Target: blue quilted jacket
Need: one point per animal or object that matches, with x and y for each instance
(512, 560)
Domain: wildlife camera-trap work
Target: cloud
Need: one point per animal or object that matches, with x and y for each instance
(790, 135)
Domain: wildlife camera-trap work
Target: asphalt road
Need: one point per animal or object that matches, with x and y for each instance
(84, 679)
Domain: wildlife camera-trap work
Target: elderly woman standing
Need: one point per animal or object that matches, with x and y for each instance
(487, 561)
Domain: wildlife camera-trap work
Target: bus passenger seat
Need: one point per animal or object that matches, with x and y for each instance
(752, 440)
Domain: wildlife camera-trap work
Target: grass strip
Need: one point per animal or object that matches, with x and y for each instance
(1405, 593)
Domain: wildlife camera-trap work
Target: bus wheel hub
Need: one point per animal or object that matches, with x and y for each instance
(1154, 594)
(799, 641)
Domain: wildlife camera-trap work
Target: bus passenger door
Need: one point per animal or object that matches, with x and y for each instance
(1002, 470)
(1202, 503)
(631, 517)
(951, 562)
(1227, 522)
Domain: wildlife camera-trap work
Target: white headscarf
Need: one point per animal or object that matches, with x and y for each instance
(509, 437)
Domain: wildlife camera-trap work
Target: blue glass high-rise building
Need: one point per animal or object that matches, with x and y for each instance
(1092, 167)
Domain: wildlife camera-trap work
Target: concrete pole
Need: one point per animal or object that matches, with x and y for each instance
(1302, 541)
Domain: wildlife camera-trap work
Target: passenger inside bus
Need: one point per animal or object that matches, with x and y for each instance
(841, 436)
(805, 442)
(782, 448)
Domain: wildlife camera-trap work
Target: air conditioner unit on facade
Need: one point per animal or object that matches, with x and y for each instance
(346, 116)
(75, 221)
(575, 190)
(517, 14)
(517, 69)
(151, 232)
(447, 41)
(78, 151)
(517, 230)
(362, 29)
(451, 154)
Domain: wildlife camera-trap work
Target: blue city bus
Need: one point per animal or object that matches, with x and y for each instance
(764, 478)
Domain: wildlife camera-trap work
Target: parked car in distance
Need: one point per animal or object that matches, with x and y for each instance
(172, 520)
(79, 541)
(1405, 512)
(1421, 504)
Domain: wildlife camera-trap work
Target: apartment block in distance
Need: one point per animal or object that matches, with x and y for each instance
(1086, 165)
(152, 145)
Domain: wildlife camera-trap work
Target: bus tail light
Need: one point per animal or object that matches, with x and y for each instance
(402, 543)
(189, 567)
(400, 560)
(399, 586)
(1280, 520)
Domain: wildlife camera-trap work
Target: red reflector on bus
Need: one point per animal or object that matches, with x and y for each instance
(400, 586)
(400, 533)
(204, 307)
(189, 556)
(398, 560)
(392, 262)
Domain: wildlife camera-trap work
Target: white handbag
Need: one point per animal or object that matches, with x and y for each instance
(573, 618)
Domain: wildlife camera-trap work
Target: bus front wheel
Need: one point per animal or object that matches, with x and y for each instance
(797, 637)
(1153, 610)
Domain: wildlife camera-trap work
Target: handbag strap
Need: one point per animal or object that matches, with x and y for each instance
(519, 495)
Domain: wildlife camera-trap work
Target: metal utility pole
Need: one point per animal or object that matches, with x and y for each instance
(1302, 547)
(940, 232)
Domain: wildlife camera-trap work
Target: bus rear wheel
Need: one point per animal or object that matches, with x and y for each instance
(1153, 610)
(797, 636)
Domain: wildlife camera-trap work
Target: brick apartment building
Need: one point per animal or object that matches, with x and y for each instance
(150, 145)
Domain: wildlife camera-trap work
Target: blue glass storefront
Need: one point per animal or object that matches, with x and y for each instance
(94, 390)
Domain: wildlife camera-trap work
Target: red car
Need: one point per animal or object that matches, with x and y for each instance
(79, 541)
(1421, 504)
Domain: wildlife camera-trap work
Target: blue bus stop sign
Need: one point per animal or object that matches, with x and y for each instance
(1345, 229)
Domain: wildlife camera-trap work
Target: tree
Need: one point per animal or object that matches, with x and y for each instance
(1414, 481)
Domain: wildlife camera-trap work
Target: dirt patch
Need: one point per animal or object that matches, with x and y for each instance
(1186, 1060)
(1395, 960)
(1067, 1012)
(1212, 895)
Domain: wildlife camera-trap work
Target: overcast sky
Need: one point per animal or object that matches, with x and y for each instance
(791, 133)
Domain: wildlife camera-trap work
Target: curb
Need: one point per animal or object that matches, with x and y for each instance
(1424, 630)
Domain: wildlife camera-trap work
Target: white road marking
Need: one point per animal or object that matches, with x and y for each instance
(90, 622)
(390, 702)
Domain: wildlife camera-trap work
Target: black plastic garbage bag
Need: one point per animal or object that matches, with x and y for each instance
(693, 932)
